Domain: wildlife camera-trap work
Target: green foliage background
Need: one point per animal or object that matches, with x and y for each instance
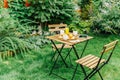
(106, 16)
(42, 11)
(36, 65)
(9, 39)
(1, 4)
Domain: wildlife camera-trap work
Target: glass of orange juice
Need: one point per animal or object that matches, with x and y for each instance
(67, 30)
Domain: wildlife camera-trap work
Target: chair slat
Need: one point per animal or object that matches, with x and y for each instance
(53, 30)
(94, 65)
(111, 44)
(56, 27)
(109, 48)
(77, 61)
(90, 61)
(84, 59)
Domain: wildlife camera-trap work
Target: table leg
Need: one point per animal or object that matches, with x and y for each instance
(75, 51)
(68, 53)
(59, 54)
(84, 48)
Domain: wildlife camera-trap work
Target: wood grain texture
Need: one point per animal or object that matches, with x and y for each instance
(89, 61)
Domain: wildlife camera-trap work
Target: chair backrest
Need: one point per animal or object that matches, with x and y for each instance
(108, 48)
(56, 27)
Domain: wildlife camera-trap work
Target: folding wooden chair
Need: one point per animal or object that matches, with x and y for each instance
(95, 63)
(55, 28)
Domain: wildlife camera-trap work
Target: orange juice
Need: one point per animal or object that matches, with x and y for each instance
(67, 30)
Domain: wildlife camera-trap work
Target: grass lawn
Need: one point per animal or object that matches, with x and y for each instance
(37, 64)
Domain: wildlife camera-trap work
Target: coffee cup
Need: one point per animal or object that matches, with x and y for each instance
(75, 33)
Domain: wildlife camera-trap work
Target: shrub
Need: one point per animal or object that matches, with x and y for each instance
(16, 33)
(82, 26)
(42, 11)
(9, 41)
(1, 3)
(86, 8)
(107, 18)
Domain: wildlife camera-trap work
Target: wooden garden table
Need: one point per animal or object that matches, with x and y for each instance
(71, 42)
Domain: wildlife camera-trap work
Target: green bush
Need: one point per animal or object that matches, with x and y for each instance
(9, 29)
(43, 11)
(86, 8)
(82, 22)
(107, 19)
(82, 26)
(21, 13)
(16, 38)
(1, 3)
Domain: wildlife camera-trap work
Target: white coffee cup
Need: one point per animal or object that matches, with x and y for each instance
(65, 37)
(61, 32)
(75, 33)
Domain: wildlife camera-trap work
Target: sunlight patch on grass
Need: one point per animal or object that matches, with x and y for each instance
(20, 61)
(6, 62)
(10, 76)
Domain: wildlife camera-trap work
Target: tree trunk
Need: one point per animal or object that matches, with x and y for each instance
(40, 29)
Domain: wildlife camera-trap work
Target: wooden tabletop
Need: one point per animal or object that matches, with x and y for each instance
(69, 41)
